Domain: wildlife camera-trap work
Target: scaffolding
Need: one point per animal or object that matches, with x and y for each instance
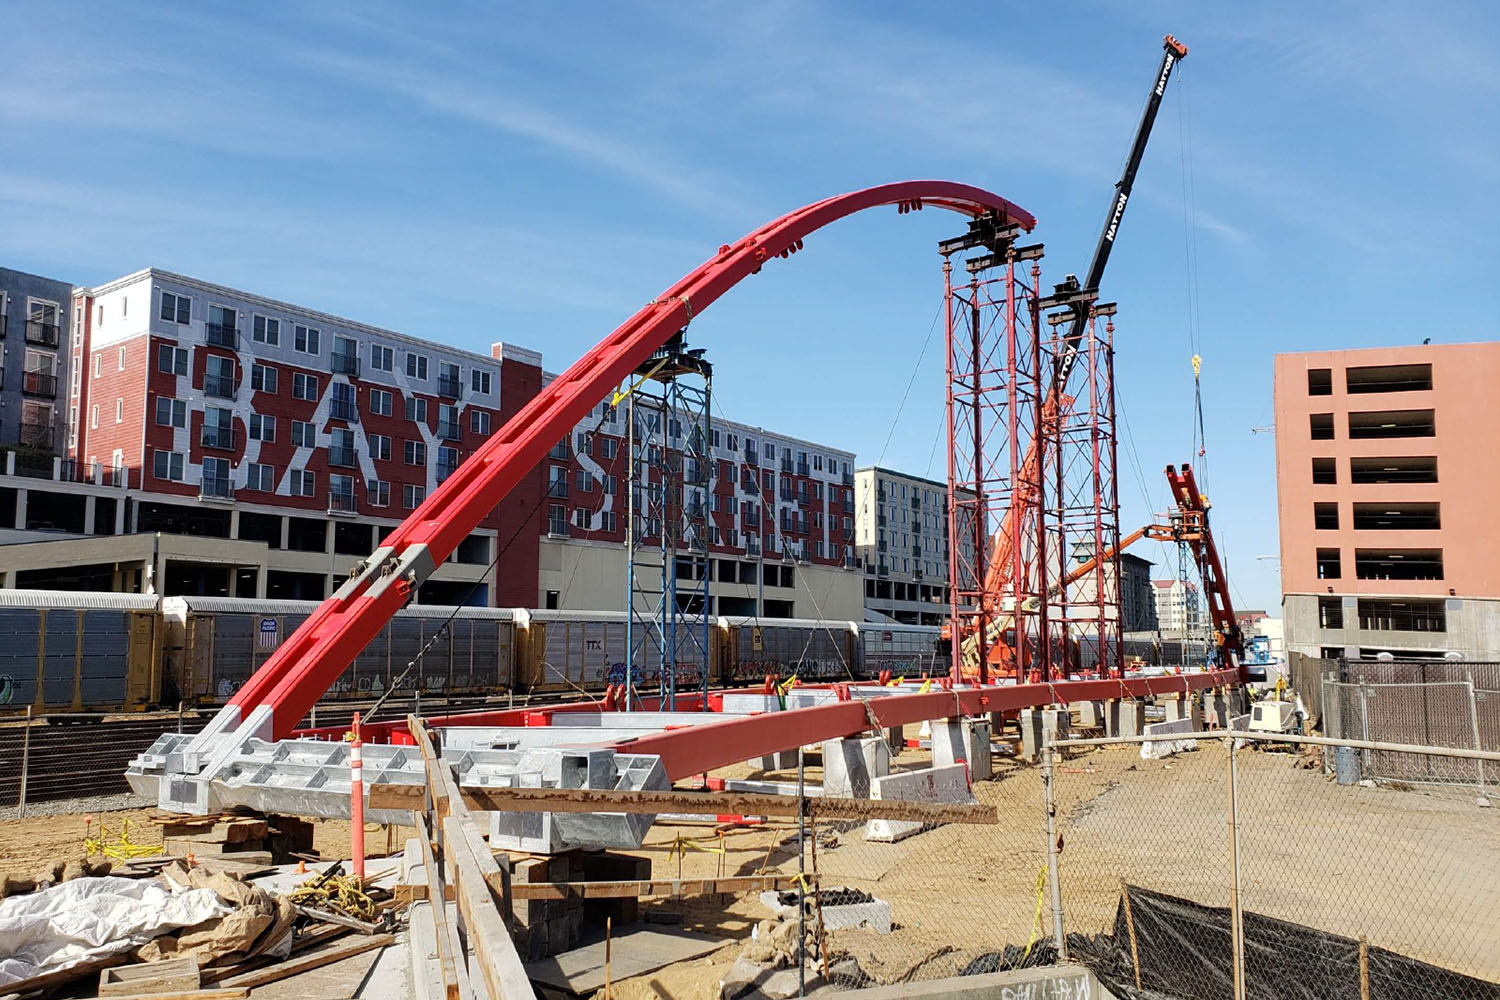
(1081, 513)
(668, 476)
(994, 418)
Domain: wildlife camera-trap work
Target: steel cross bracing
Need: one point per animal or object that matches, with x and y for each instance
(287, 685)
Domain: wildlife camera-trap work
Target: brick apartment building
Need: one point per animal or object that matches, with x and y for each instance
(1386, 481)
(267, 446)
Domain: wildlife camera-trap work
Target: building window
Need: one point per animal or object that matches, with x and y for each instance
(585, 481)
(416, 409)
(304, 386)
(450, 381)
(1321, 426)
(1326, 516)
(1329, 564)
(557, 520)
(479, 422)
(96, 366)
(378, 492)
(412, 496)
(1398, 564)
(304, 434)
(304, 483)
(345, 357)
(169, 359)
(480, 381)
(176, 309)
(94, 417)
(218, 377)
(1403, 615)
(1320, 382)
(380, 447)
(122, 359)
(1330, 612)
(1391, 424)
(610, 447)
(416, 366)
(262, 428)
(171, 412)
(1406, 469)
(341, 403)
(380, 402)
(261, 478)
(416, 453)
(263, 378)
(305, 339)
(447, 462)
(1388, 378)
(216, 478)
(1324, 472)
(382, 359)
(266, 330)
(167, 465)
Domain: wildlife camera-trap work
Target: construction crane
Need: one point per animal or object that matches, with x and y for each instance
(981, 635)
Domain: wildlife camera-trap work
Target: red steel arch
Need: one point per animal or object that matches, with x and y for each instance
(311, 659)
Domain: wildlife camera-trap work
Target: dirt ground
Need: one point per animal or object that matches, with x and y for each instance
(1414, 871)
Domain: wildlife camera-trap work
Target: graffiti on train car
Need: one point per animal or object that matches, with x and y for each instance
(754, 671)
(689, 674)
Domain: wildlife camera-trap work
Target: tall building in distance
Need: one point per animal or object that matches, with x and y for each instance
(1178, 609)
(34, 362)
(1386, 483)
(1137, 596)
(901, 537)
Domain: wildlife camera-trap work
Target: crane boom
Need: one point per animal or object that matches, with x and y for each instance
(1173, 52)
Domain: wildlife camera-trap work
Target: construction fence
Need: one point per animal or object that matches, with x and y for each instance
(1224, 866)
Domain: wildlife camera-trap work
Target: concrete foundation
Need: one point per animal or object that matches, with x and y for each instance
(849, 765)
(1124, 717)
(1042, 725)
(1213, 709)
(934, 784)
(1176, 708)
(958, 741)
(1090, 714)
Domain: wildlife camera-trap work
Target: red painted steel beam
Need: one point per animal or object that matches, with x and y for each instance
(696, 749)
(313, 656)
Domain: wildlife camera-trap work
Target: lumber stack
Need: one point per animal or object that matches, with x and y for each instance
(239, 837)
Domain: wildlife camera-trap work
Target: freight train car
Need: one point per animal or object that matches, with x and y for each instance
(214, 644)
(904, 650)
(584, 651)
(791, 647)
(73, 652)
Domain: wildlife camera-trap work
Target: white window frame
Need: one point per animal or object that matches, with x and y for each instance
(414, 453)
(416, 366)
(380, 447)
(481, 381)
(122, 359)
(178, 365)
(261, 477)
(378, 492)
(382, 402)
(266, 330)
(412, 495)
(382, 358)
(262, 427)
(266, 372)
(179, 315)
(479, 422)
(414, 404)
(307, 339)
(176, 412)
(300, 383)
(303, 483)
(301, 431)
(174, 466)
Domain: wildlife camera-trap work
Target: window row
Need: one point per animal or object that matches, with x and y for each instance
(217, 482)
(1378, 469)
(223, 330)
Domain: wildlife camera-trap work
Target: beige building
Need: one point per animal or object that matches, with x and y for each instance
(901, 539)
(1386, 482)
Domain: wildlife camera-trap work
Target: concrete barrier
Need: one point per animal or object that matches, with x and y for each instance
(849, 765)
(933, 784)
(1042, 725)
(960, 741)
(1124, 717)
(1057, 982)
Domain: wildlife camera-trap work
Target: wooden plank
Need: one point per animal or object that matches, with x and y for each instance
(175, 975)
(436, 787)
(233, 831)
(230, 993)
(312, 960)
(489, 934)
(446, 957)
(583, 800)
(657, 887)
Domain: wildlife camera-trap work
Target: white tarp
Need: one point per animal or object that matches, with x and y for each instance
(90, 918)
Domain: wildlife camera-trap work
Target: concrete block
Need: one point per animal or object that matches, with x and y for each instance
(850, 764)
(1124, 717)
(1166, 748)
(1042, 725)
(1215, 710)
(933, 784)
(957, 741)
(1176, 708)
(895, 738)
(1090, 714)
(781, 760)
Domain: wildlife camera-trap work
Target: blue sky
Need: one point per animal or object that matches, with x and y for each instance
(534, 173)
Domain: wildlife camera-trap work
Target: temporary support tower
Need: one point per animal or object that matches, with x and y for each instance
(668, 480)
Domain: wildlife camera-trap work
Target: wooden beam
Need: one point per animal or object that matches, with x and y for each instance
(434, 765)
(658, 887)
(312, 960)
(488, 932)
(446, 957)
(586, 800)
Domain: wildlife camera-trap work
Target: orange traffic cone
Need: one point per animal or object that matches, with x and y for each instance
(301, 866)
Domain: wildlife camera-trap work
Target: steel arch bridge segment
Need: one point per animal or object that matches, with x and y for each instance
(312, 658)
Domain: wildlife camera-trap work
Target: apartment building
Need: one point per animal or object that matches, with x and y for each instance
(34, 362)
(1386, 484)
(1137, 595)
(901, 537)
(264, 447)
(1179, 612)
(778, 512)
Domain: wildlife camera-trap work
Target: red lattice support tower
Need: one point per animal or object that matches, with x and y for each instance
(1081, 515)
(994, 413)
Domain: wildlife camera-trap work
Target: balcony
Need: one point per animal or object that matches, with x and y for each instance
(916, 551)
(446, 469)
(39, 384)
(916, 502)
(803, 470)
(557, 527)
(221, 438)
(343, 409)
(848, 506)
(752, 457)
(850, 562)
(752, 547)
(220, 387)
(42, 334)
(342, 502)
(38, 435)
(448, 430)
(786, 465)
(449, 386)
(560, 451)
(342, 456)
(752, 520)
(848, 479)
(345, 364)
(222, 335)
(558, 489)
(4, 320)
(881, 569)
(216, 488)
(880, 520)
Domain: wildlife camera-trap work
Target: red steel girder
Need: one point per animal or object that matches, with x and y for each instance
(696, 749)
(313, 656)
